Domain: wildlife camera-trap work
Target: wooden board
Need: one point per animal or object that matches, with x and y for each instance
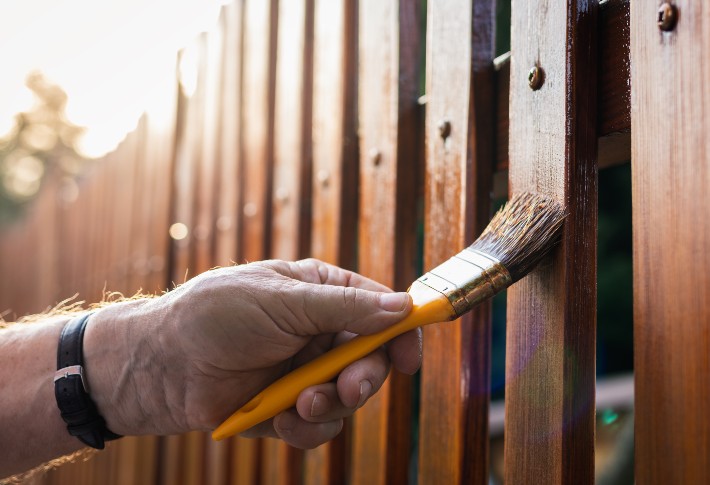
(390, 174)
(670, 163)
(551, 323)
(453, 440)
(228, 203)
(334, 196)
(614, 89)
(257, 126)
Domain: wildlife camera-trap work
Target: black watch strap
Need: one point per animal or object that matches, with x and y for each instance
(71, 390)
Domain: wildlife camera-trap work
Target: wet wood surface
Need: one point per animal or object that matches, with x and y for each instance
(614, 90)
(551, 314)
(670, 121)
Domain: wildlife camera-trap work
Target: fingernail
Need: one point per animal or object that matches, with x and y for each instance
(393, 302)
(320, 404)
(365, 389)
(284, 424)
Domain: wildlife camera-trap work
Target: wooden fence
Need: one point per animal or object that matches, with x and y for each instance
(300, 129)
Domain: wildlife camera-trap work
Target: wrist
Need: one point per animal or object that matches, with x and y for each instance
(122, 360)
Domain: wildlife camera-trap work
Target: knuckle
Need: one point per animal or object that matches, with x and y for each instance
(350, 298)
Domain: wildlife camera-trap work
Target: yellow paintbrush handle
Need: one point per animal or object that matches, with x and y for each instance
(430, 306)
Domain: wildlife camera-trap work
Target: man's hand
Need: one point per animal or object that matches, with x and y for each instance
(190, 358)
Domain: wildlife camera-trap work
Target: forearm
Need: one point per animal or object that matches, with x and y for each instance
(118, 359)
(32, 429)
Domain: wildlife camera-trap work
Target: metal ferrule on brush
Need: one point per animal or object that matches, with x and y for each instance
(467, 279)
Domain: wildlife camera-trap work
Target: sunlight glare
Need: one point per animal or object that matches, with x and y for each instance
(111, 58)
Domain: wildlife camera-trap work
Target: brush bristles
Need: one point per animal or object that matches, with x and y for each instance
(522, 232)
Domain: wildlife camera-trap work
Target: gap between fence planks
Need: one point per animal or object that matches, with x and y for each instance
(551, 323)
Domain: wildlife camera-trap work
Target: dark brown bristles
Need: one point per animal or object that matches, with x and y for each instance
(522, 232)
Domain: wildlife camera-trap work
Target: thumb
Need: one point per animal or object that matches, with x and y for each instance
(331, 309)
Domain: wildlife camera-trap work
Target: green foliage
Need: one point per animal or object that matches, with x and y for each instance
(40, 144)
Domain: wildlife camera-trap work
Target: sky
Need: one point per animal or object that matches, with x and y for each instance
(110, 56)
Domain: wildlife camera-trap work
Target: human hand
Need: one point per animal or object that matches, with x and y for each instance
(196, 354)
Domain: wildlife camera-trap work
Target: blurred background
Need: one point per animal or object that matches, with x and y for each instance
(76, 77)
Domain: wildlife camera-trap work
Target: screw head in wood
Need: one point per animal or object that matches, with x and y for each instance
(536, 77)
(667, 17)
(375, 157)
(444, 129)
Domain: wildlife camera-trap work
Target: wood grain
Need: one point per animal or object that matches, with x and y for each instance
(291, 223)
(390, 174)
(257, 126)
(614, 89)
(335, 181)
(453, 435)
(551, 322)
(228, 187)
(670, 121)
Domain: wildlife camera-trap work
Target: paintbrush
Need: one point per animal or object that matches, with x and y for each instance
(514, 242)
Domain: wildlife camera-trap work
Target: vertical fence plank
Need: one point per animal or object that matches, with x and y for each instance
(453, 441)
(228, 219)
(390, 173)
(205, 195)
(670, 119)
(292, 178)
(335, 174)
(551, 325)
(257, 125)
(292, 143)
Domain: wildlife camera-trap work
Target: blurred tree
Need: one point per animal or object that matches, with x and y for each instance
(40, 145)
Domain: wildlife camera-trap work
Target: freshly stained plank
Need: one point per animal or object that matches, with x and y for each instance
(670, 163)
(290, 226)
(258, 59)
(140, 207)
(453, 435)
(228, 215)
(161, 119)
(205, 194)
(334, 197)
(614, 89)
(390, 174)
(549, 395)
(292, 143)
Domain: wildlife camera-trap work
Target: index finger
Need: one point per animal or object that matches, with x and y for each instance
(315, 271)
